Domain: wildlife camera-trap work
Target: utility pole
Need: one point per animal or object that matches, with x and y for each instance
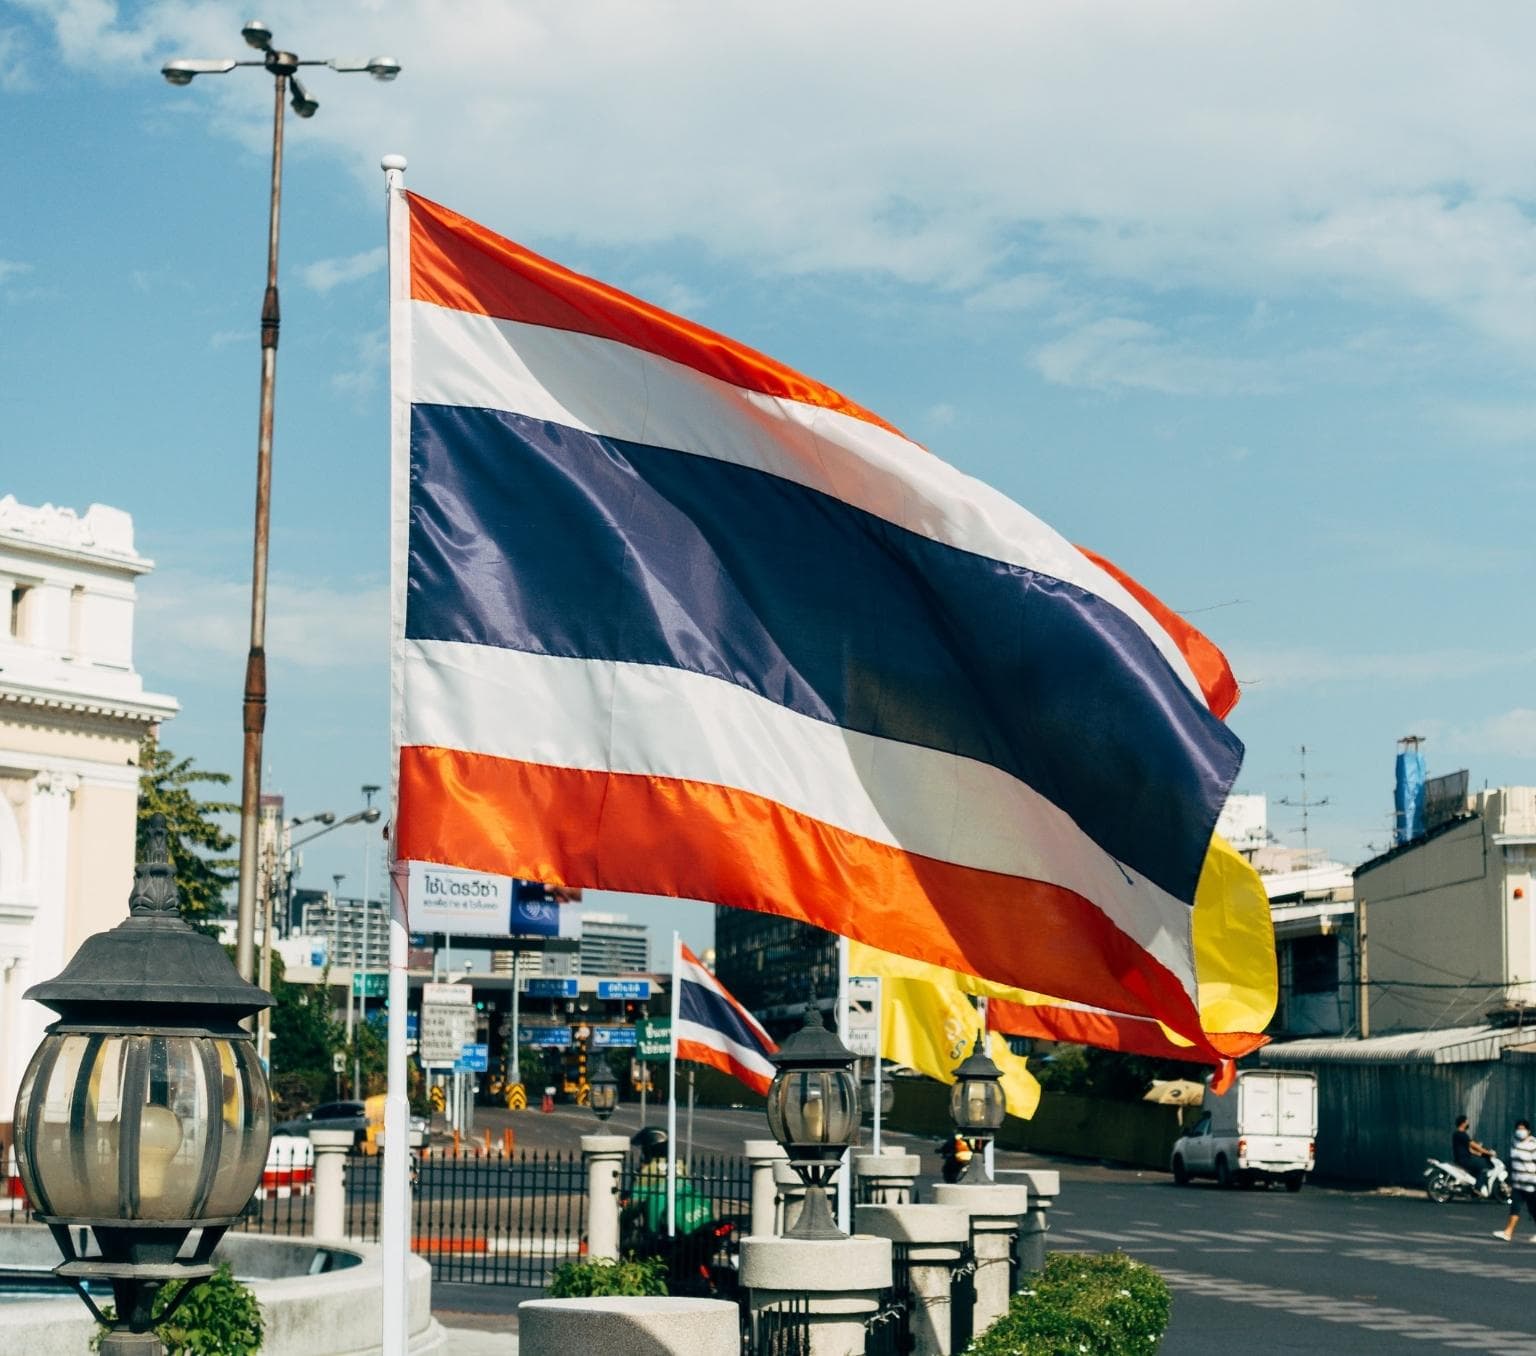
(1363, 969)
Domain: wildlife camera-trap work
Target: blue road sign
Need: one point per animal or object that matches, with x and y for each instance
(623, 988)
(412, 1025)
(543, 987)
(544, 1035)
(607, 1036)
(473, 1058)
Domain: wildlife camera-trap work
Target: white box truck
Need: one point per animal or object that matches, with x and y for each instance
(1263, 1129)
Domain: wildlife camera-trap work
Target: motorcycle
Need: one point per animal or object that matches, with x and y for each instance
(1447, 1182)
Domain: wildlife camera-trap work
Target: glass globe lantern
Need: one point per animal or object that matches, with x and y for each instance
(603, 1092)
(813, 1112)
(977, 1106)
(867, 1089)
(144, 1114)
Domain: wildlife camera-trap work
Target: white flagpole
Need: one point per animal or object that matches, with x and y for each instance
(988, 1154)
(396, 1203)
(879, 1019)
(844, 1187)
(677, 987)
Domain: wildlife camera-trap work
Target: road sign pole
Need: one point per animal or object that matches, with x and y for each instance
(516, 1071)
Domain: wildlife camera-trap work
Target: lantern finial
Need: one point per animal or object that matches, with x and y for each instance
(154, 880)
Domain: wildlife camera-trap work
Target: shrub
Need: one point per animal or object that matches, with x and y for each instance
(598, 1276)
(220, 1317)
(1081, 1305)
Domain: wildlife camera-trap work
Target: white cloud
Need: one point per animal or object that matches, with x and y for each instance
(1509, 734)
(370, 360)
(1498, 423)
(1304, 666)
(1249, 149)
(194, 627)
(1119, 352)
(15, 73)
(12, 268)
(325, 274)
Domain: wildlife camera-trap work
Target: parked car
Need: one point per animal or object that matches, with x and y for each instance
(349, 1115)
(1262, 1130)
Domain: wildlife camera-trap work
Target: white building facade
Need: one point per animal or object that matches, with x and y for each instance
(73, 715)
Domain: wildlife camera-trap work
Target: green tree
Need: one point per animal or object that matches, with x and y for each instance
(304, 1037)
(168, 786)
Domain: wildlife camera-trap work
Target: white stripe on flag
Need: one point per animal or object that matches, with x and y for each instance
(604, 387)
(659, 721)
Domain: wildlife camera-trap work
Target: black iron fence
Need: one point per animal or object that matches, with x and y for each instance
(712, 1212)
(779, 1329)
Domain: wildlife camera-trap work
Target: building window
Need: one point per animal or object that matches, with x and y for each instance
(19, 594)
(1315, 965)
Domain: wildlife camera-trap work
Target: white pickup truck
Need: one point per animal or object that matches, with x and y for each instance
(1262, 1130)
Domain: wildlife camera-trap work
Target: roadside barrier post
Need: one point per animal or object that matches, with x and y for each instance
(1044, 1187)
(762, 1155)
(936, 1237)
(604, 1158)
(996, 1222)
(331, 1150)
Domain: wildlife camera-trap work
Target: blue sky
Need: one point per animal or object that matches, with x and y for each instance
(1243, 297)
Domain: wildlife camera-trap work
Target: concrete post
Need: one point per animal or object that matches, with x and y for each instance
(627, 1325)
(789, 1197)
(935, 1237)
(331, 1150)
(837, 1280)
(886, 1178)
(996, 1218)
(1044, 1186)
(604, 1157)
(762, 1155)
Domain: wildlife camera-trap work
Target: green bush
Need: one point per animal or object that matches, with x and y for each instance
(1107, 1305)
(598, 1276)
(219, 1318)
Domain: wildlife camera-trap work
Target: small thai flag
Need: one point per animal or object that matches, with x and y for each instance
(712, 1028)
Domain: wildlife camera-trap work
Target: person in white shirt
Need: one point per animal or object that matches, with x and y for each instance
(1522, 1180)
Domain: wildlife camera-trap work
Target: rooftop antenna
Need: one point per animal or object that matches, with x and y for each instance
(1306, 805)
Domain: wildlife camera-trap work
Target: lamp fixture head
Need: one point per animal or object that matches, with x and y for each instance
(257, 34)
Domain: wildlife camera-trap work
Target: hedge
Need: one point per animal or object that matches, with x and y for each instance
(1082, 1305)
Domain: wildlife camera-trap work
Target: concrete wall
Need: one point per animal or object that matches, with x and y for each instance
(1136, 1133)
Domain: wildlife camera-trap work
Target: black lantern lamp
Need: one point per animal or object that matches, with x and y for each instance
(144, 1114)
(603, 1092)
(977, 1106)
(887, 1092)
(813, 1112)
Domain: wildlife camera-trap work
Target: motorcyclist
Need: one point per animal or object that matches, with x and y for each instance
(646, 1212)
(1467, 1152)
(956, 1153)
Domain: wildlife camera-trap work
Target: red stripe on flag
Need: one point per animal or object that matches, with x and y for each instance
(1110, 1031)
(698, 1053)
(666, 836)
(1208, 664)
(457, 263)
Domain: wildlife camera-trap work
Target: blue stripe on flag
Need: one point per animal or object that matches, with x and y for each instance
(698, 1003)
(533, 536)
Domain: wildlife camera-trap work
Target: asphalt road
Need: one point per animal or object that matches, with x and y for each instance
(1252, 1271)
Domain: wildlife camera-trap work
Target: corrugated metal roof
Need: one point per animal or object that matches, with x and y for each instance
(1453, 1045)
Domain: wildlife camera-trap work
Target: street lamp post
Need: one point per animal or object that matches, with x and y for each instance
(278, 878)
(977, 1106)
(813, 1111)
(144, 1114)
(283, 67)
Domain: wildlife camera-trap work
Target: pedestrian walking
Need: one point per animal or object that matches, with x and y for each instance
(1522, 1167)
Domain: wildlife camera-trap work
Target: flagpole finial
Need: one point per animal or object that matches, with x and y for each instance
(392, 162)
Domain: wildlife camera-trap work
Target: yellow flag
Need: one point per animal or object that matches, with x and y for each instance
(1234, 948)
(927, 1023)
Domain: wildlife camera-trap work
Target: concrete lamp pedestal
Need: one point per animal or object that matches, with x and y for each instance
(996, 1222)
(886, 1178)
(1044, 1185)
(935, 1237)
(762, 1156)
(604, 1157)
(838, 1280)
(628, 1325)
(331, 1149)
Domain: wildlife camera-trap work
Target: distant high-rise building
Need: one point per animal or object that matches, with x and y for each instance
(356, 934)
(612, 945)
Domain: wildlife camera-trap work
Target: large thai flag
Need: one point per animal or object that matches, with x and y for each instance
(673, 618)
(712, 1028)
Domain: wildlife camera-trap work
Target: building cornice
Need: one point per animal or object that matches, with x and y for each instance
(148, 709)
